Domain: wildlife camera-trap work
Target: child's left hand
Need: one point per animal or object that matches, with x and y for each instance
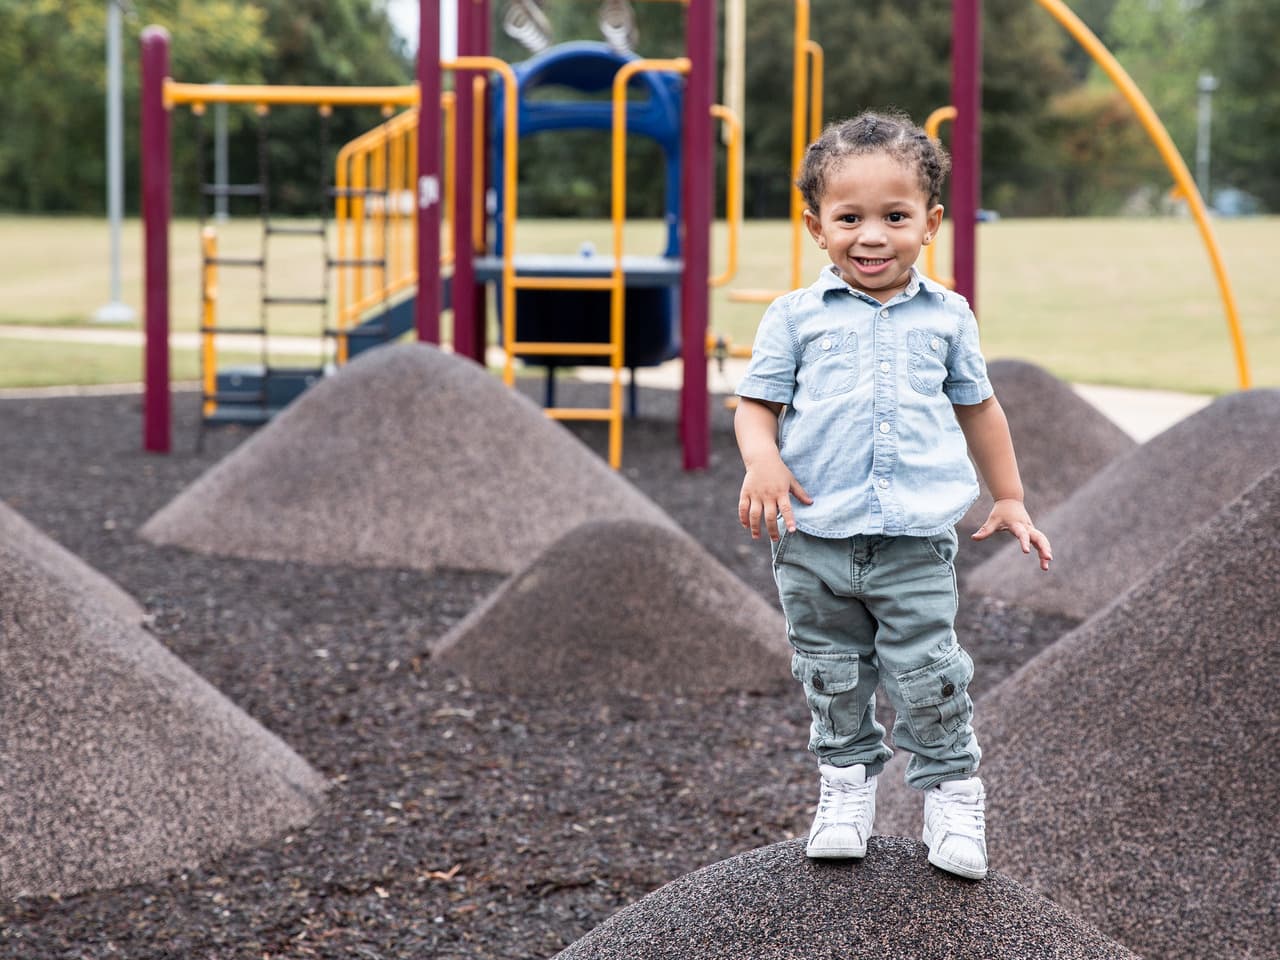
(1011, 515)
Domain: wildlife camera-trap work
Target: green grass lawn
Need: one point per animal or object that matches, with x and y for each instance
(1117, 301)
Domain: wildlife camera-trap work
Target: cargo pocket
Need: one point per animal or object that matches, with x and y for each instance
(928, 361)
(831, 689)
(937, 697)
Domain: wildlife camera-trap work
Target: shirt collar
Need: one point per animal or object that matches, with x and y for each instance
(829, 279)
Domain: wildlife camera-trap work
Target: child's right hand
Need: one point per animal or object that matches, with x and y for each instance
(766, 493)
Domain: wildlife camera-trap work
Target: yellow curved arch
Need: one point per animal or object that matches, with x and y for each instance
(1172, 159)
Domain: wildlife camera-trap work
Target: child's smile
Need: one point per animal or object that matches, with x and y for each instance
(874, 218)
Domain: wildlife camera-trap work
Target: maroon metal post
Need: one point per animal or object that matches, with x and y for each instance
(697, 202)
(966, 142)
(430, 190)
(483, 47)
(468, 301)
(156, 414)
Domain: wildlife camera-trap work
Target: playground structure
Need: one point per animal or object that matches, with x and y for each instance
(435, 154)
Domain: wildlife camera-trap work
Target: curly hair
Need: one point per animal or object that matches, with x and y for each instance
(891, 132)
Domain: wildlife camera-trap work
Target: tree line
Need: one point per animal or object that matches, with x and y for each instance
(1057, 138)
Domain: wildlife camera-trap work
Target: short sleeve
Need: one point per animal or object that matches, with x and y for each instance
(771, 373)
(967, 382)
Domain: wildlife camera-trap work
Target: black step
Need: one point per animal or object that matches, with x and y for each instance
(236, 261)
(359, 262)
(296, 231)
(238, 397)
(296, 301)
(231, 189)
(260, 331)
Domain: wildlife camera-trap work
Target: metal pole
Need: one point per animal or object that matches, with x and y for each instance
(697, 202)
(427, 307)
(1204, 116)
(966, 142)
(464, 284)
(220, 172)
(156, 416)
(116, 310)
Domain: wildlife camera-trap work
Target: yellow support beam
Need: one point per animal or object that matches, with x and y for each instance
(200, 94)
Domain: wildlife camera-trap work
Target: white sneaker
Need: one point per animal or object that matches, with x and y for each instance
(955, 827)
(846, 811)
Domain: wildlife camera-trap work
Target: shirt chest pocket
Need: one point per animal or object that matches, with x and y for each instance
(830, 365)
(928, 361)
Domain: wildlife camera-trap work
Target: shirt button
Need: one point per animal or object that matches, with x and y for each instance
(884, 426)
(884, 367)
(884, 314)
(826, 344)
(933, 344)
(883, 483)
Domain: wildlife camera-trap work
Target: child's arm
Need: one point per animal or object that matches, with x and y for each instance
(987, 432)
(768, 484)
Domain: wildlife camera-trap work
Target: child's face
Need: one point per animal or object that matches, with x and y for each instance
(874, 218)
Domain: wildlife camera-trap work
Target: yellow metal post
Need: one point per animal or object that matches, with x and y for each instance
(209, 319)
(931, 126)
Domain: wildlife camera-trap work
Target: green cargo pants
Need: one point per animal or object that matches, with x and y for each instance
(868, 609)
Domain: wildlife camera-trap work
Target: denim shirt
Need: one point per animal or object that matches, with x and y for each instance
(867, 426)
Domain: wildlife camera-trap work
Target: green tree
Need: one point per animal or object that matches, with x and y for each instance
(1245, 56)
(52, 55)
(898, 53)
(52, 70)
(1164, 45)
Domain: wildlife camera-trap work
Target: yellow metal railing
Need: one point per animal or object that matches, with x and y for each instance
(376, 238)
(932, 125)
(375, 221)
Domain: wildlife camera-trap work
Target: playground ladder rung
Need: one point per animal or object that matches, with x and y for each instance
(357, 192)
(231, 189)
(235, 261)
(296, 301)
(260, 331)
(579, 413)
(566, 348)
(359, 262)
(294, 230)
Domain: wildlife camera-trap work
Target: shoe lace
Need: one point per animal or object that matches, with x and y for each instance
(964, 816)
(842, 802)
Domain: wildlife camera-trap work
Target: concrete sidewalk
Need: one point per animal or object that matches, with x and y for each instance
(1140, 413)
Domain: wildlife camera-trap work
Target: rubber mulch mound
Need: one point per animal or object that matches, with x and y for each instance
(461, 823)
(1132, 768)
(1132, 513)
(1054, 462)
(776, 904)
(406, 457)
(622, 605)
(119, 763)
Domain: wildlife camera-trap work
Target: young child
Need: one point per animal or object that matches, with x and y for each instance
(865, 394)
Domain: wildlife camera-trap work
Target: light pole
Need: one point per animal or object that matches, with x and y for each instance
(115, 311)
(1204, 113)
